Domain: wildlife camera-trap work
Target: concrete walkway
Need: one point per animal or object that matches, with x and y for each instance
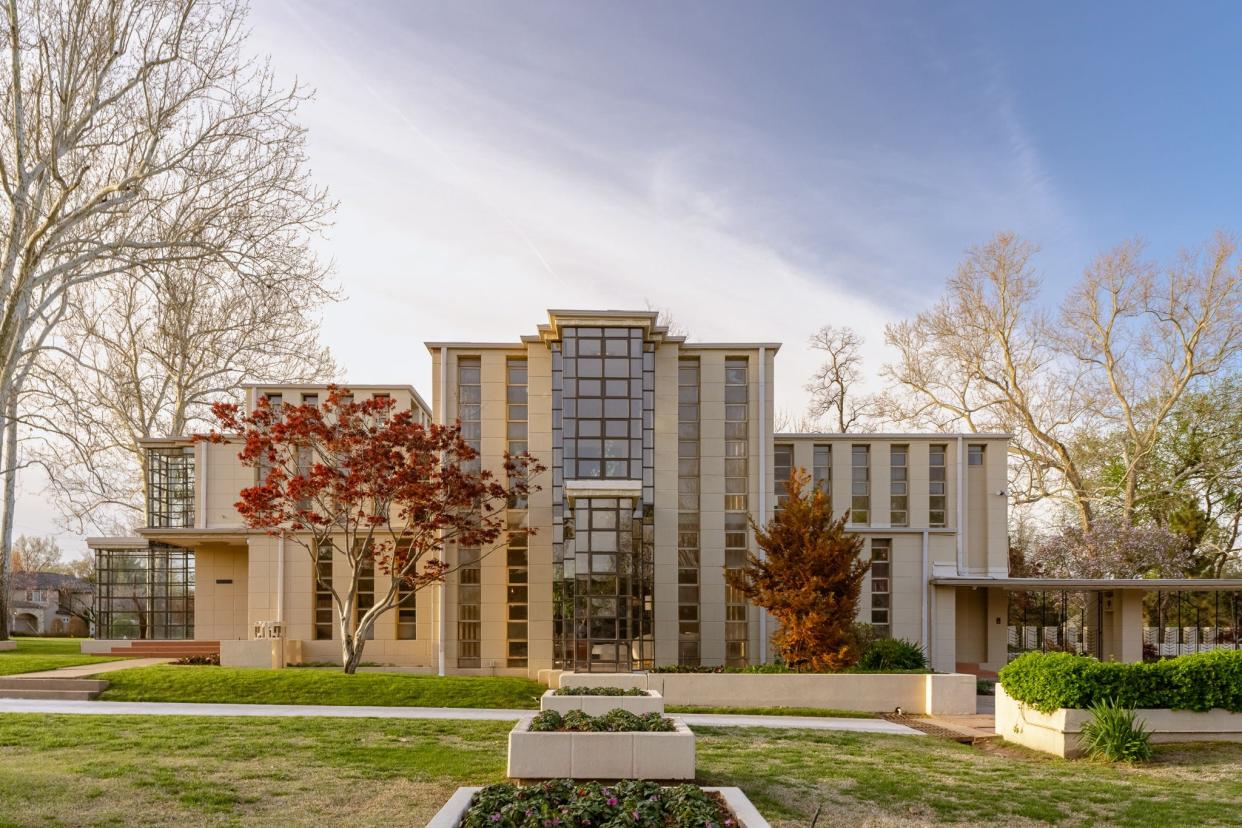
(470, 713)
(85, 670)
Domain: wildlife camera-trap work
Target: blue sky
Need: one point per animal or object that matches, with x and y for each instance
(759, 169)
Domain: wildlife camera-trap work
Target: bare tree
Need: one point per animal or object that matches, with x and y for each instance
(1130, 341)
(1144, 336)
(666, 318)
(833, 388)
(133, 134)
(35, 554)
(981, 359)
(147, 359)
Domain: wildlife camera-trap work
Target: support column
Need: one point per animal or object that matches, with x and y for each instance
(997, 620)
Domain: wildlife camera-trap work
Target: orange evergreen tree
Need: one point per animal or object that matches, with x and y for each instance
(809, 579)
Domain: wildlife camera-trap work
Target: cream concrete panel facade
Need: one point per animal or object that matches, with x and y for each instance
(220, 593)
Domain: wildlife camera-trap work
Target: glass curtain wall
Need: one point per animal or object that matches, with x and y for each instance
(603, 417)
(170, 487)
(145, 593)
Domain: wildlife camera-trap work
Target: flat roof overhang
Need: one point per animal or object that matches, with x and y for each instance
(1098, 584)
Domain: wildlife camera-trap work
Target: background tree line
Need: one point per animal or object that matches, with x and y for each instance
(1122, 399)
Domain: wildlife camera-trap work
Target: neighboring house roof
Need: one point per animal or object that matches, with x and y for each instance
(49, 580)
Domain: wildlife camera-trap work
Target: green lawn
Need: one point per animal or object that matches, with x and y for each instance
(33, 654)
(318, 686)
(132, 770)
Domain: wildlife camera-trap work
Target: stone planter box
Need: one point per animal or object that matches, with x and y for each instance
(923, 693)
(608, 756)
(1058, 732)
(653, 702)
(748, 816)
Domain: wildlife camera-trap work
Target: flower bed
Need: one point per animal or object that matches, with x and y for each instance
(618, 745)
(597, 701)
(1053, 681)
(600, 691)
(614, 721)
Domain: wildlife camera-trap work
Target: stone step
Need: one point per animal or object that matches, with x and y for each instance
(64, 695)
(40, 683)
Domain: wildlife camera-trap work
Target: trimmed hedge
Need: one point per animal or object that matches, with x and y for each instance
(599, 691)
(1200, 682)
(614, 721)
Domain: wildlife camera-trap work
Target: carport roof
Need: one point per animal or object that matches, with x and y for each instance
(1094, 584)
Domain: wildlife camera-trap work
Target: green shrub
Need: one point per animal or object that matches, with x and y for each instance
(1047, 681)
(614, 721)
(893, 654)
(599, 691)
(1115, 735)
(566, 802)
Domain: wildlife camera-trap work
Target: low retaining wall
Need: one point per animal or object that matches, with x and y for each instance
(600, 755)
(748, 816)
(653, 702)
(926, 693)
(1059, 732)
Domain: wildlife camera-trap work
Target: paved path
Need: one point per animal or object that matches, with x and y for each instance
(87, 670)
(472, 713)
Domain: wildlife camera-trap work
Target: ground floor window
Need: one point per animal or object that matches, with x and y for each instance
(145, 593)
(1054, 621)
(1180, 623)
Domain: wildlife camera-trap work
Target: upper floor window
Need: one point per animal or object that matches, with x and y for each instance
(310, 399)
(899, 482)
(860, 484)
(821, 469)
(974, 454)
(936, 506)
(782, 459)
(170, 487)
(276, 401)
(469, 404)
(604, 402)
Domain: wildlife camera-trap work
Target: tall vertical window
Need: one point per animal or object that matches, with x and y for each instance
(407, 613)
(469, 616)
(737, 484)
(517, 630)
(974, 455)
(782, 468)
(821, 469)
(605, 400)
(936, 478)
(322, 606)
(170, 487)
(366, 589)
(469, 570)
(860, 484)
(898, 485)
(276, 401)
(881, 609)
(689, 633)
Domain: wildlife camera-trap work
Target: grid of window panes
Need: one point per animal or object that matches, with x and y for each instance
(144, 593)
(737, 484)
(603, 418)
(170, 487)
(517, 630)
(469, 568)
(322, 607)
(881, 593)
(782, 468)
(860, 484)
(936, 481)
(689, 632)
(821, 468)
(366, 590)
(407, 613)
(899, 485)
(974, 455)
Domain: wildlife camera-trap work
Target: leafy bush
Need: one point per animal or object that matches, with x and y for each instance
(211, 659)
(565, 802)
(775, 667)
(893, 654)
(614, 721)
(1047, 681)
(599, 691)
(1115, 735)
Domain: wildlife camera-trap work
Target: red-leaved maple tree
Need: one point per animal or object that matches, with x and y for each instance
(385, 491)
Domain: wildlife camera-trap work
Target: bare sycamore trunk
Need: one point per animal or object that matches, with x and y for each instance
(9, 465)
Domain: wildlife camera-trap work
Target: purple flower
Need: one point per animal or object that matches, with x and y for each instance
(496, 817)
(612, 802)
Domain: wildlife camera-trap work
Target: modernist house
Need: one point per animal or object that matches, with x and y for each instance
(658, 449)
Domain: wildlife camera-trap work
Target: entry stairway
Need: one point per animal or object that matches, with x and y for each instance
(16, 687)
(167, 649)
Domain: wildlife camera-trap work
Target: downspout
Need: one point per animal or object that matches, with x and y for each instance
(926, 604)
(443, 591)
(961, 505)
(763, 485)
